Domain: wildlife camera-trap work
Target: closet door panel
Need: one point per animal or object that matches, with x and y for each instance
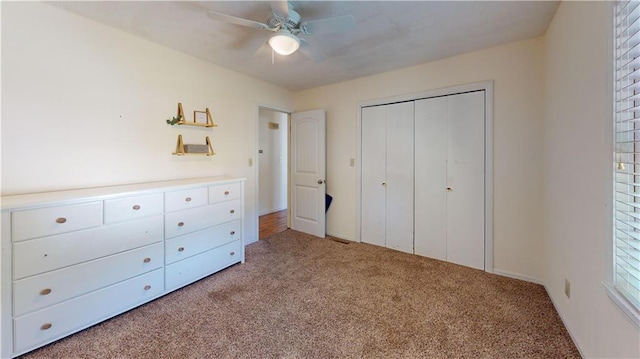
(400, 176)
(431, 178)
(465, 176)
(374, 150)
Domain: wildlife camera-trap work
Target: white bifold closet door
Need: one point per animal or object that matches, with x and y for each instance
(387, 176)
(449, 178)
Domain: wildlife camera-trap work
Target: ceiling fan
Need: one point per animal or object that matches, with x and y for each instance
(287, 26)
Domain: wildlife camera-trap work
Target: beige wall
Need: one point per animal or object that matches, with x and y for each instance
(84, 105)
(517, 73)
(578, 179)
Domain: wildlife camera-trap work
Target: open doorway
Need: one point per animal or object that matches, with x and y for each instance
(273, 145)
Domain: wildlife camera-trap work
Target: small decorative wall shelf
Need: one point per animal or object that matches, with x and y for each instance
(194, 149)
(200, 118)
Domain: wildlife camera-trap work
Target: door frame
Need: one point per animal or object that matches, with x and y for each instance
(487, 86)
(256, 165)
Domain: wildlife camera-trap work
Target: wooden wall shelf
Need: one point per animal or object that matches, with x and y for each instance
(206, 121)
(182, 149)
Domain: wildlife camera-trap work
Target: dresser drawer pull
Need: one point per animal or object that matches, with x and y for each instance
(147, 287)
(226, 193)
(61, 220)
(136, 207)
(46, 326)
(181, 249)
(232, 233)
(232, 211)
(45, 291)
(232, 253)
(180, 224)
(147, 260)
(188, 199)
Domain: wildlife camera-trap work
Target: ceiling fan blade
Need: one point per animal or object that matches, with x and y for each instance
(311, 52)
(256, 44)
(280, 8)
(236, 20)
(329, 25)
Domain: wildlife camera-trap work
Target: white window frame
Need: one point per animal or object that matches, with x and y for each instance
(625, 291)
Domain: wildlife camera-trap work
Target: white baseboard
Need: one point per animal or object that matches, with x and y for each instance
(272, 210)
(541, 282)
(523, 277)
(566, 324)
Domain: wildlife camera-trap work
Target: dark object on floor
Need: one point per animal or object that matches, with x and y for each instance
(339, 240)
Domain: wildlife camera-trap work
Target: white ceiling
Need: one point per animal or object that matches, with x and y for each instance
(389, 34)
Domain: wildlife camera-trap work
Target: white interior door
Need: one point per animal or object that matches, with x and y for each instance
(387, 176)
(374, 175)
(450, 179)
(399, 158)
(308, 166)
(466, 177)
(431, 178)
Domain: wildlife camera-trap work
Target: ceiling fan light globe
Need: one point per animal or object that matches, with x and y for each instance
(284, 43)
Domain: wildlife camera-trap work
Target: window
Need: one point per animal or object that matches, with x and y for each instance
(627, 153)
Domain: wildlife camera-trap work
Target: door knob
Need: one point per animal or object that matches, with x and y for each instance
(320, 181)
(448, 189)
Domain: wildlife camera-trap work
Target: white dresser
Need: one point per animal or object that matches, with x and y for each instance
(71, 259)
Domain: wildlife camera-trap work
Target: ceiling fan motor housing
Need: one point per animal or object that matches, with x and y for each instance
(290, 23)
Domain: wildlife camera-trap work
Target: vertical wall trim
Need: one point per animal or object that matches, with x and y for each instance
(488, 176)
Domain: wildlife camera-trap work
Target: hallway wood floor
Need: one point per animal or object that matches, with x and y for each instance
(272, 223)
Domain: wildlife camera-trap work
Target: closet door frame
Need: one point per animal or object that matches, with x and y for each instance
(487, 86)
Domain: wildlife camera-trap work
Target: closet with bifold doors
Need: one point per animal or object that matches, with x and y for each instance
(423, 177)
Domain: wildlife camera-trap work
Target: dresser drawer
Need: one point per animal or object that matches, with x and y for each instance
(224, 192)
(226, 211)
(45, 254)
(48, 221)
(128, 208)
(184, 199)
(67, 317)
(187, 221)
(193, 268)
(191, 220)
(57, 286)
(194, 243)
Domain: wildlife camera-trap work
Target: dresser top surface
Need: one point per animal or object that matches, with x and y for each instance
(100, 193)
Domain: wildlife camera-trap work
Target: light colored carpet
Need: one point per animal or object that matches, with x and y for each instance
(301, 297)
